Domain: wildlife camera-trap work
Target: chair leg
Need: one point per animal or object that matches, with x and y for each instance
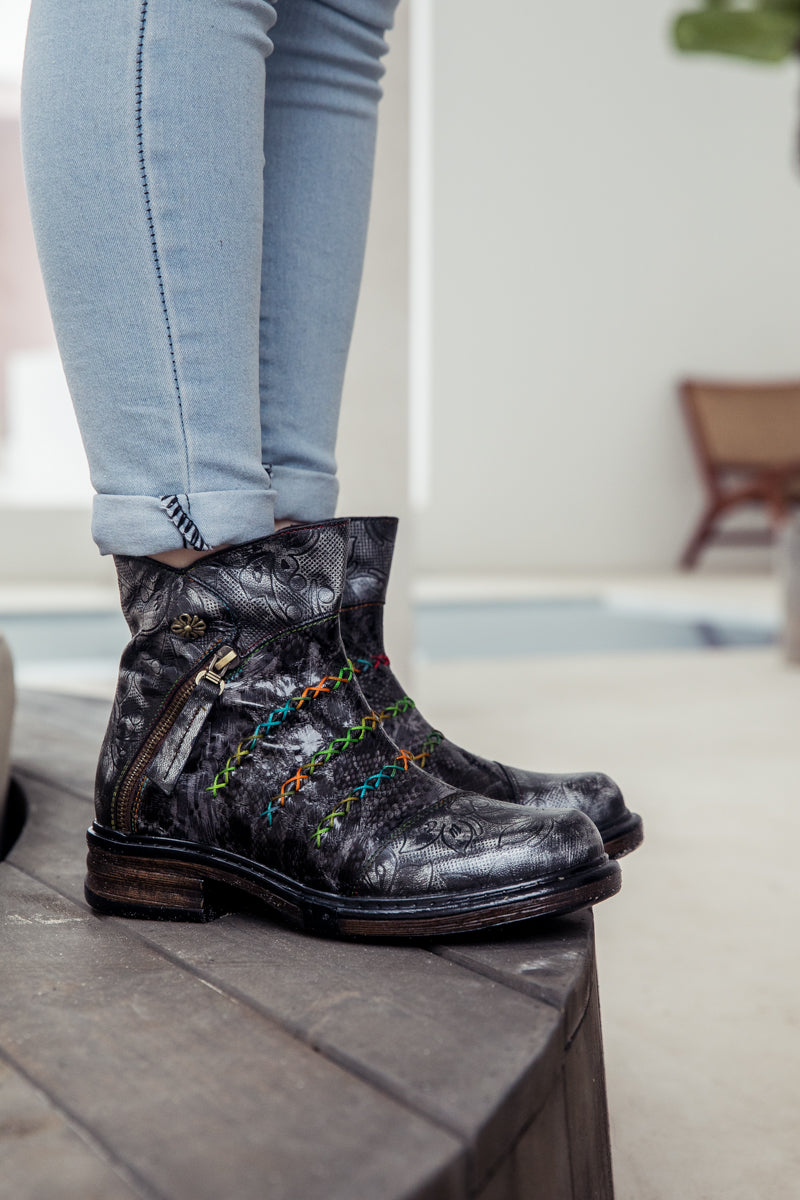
(777, 503)
(699, 537)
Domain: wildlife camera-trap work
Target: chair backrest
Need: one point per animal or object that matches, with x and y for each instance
(753, 425)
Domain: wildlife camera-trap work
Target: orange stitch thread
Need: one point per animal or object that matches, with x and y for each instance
(371, 784)
(295, 779)
(276, 718)
(354, 734)
(405, 757)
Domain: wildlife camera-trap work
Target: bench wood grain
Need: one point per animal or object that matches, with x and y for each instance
(243, 1059)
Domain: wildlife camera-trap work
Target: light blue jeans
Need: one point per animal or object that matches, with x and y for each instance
(200, 207)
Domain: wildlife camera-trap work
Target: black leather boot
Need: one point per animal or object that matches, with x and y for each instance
(241, 757)
(372, 545)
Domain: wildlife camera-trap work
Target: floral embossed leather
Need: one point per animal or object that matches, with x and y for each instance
(371, 547)
(244, 760)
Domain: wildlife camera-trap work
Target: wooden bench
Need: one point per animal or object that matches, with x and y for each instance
(240, 1059)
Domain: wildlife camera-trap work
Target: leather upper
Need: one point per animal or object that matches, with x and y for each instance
(369, 563)
(291, 768)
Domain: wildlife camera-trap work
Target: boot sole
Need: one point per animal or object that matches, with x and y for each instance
(166, 880)
(623, 837)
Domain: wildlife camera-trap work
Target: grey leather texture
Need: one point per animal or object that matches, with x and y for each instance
(290, 768)
(369, 563)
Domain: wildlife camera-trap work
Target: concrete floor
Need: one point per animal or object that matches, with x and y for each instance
(699, 973)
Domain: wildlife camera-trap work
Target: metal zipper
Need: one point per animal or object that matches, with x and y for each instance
(123, 816)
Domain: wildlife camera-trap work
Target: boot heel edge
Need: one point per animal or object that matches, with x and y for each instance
(155, 889)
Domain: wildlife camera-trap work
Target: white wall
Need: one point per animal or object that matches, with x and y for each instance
(44, 520)
(607, 217)
(372, 447)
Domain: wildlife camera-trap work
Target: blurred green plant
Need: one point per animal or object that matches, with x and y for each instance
(760, 30)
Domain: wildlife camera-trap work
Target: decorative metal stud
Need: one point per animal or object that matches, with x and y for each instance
(188, 626)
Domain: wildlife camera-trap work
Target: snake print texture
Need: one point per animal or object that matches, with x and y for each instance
(369, 562)
(292, 769)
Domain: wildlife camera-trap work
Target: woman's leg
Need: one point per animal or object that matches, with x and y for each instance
(143, 141)
(319, 142)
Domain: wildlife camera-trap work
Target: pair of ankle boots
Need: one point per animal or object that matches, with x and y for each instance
(260, 746)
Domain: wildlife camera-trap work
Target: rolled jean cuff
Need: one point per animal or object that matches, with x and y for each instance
(143, 524)
(303, 495)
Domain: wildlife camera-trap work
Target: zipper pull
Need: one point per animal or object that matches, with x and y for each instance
(219, 668)
(165, 769)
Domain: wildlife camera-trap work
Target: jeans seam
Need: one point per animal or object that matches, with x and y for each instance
(152, 232)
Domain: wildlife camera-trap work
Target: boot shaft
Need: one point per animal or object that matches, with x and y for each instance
(183, 622)
(369, 562)
(241, 751)
(236, 694)
(369, 559)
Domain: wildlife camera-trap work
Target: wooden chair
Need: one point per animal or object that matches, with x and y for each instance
(747, 440)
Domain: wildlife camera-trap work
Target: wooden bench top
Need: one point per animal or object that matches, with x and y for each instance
(240, 1059)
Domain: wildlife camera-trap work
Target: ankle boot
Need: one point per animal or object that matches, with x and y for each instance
(242, 759)
(369, 561)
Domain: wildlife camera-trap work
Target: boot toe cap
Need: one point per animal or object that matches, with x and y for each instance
(470, 843)
(592, 793)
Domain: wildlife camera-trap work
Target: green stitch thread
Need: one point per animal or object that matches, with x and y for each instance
(371, 784)
(165, 701)
(434, 739)
(278, 715)
(405, 704)
(355, 734)
(274, 720)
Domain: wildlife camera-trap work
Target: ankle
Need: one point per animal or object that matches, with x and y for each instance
(185, 558)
